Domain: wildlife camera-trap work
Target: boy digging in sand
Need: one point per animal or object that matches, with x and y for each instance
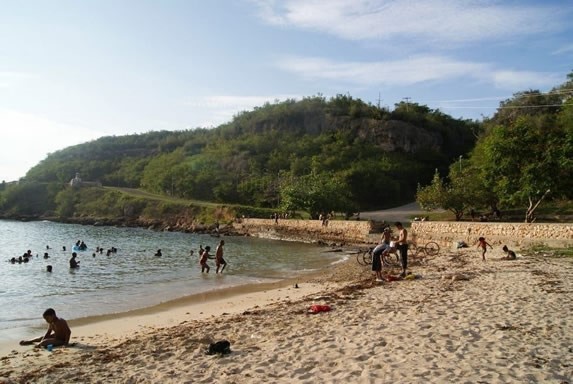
(510, 255)
(58, 332)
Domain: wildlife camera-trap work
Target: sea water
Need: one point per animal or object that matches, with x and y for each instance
(133, 277)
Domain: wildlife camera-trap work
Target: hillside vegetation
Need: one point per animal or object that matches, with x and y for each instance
(314, 155)
(523, 158)
(317, 155)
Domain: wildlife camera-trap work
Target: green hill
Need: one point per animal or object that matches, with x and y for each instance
(347, 154)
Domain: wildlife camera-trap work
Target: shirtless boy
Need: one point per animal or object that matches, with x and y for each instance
(219, 257)
(483, 244)
(58, 332)
(510, 255)
(203, 260)
(402, 246)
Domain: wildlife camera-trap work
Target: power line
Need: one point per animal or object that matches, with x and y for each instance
(491, 98)
(508, 107)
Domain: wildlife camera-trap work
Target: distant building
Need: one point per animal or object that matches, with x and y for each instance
(77, 182)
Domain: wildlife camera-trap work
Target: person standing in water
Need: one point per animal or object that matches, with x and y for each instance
(203, 260)
(73, 262)
(219, 261)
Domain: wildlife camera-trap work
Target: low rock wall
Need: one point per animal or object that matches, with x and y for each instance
(446, 233)
(306, 230)
(498, 233)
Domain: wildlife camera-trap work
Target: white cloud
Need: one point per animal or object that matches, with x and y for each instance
(427, 20)
(414, 70)
(393, 72)
(564, 50)
(522, 80)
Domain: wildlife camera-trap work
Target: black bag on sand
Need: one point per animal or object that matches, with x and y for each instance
(222, 347)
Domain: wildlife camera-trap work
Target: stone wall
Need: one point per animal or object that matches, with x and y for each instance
(306, 230)
(498, 233)
(446, 233)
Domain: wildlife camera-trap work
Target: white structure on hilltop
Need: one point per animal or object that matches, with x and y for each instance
(76, 181)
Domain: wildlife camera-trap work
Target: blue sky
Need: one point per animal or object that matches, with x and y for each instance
(73, 71)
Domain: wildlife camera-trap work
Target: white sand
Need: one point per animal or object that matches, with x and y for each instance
(463, 321)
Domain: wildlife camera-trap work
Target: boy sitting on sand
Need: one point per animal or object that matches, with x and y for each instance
(58, 332)
(510, 255)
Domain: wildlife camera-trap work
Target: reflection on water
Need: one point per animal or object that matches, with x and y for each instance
(133, 277)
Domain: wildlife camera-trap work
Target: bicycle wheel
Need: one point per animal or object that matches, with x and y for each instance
(367, 257)
(391, 259)
(360, 258)
(412, 249)
(431, 249)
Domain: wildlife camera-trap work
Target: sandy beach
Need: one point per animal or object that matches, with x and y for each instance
(462, 321)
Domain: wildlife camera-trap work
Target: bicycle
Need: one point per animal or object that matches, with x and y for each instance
(427, 252)
(389, 258)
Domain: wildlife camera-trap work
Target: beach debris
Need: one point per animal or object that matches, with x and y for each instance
(221, 347)
(456, 277)
(317, 308)
(506, 327)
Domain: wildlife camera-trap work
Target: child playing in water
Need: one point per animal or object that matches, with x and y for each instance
(58, 332)
(483, 245)
(203, 259)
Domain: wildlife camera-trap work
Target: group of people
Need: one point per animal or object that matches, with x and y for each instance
(400, 244)
(80, 245)
(58, 333)
(27, 256)
(388, 245)
(22, 259)
(219, 260)
(73, 262)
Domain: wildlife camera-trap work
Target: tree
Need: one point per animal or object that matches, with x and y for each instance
(523, 159)
(441, 195)
(316, 193)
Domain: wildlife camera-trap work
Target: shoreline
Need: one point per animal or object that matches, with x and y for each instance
(198, 306)
(462, 320)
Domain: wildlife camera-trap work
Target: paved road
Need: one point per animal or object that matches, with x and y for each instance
(404, 213)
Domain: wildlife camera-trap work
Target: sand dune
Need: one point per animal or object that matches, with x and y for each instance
(463, 320)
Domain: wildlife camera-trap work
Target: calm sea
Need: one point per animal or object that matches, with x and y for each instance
(133, 277)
